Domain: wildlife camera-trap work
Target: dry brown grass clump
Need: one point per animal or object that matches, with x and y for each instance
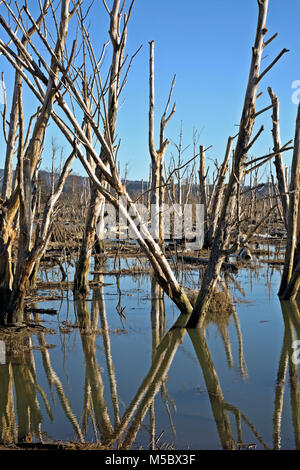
(220, 308)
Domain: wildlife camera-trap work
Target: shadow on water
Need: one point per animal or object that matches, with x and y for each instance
(25, 403)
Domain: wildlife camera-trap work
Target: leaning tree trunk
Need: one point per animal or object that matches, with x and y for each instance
(282, 184)
(222, 235)
(290, 281)
(81, 282)
(216, 397)
(95, 215)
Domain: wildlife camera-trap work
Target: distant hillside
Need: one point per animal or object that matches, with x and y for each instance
(76, 183)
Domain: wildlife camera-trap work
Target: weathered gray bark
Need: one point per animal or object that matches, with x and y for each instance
(81, 282)
(95, 214)
(13, 120)
(162, 268)
(222, 235)
(216, 202)
(282, 184)
(27, 258)
(12, 286)
(290, 280)
(291, 317)
(93, 374)
(157, 198)
(213, 386)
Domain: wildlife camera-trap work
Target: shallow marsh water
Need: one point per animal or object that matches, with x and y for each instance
(234, 383)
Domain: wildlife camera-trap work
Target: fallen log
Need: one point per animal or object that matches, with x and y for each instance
(47, 311)
(194, 260)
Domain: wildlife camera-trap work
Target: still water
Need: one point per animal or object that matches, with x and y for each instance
(112, 370)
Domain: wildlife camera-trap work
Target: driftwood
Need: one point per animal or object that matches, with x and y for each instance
(282, 183)
(194, 259)
(222, 245)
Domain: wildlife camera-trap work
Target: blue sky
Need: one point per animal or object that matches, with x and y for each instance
(208, 46)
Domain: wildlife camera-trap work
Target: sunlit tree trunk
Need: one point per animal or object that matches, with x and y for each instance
(95, 215)
(220, 248)
(157, 156)
(290, 280)
(13, 284)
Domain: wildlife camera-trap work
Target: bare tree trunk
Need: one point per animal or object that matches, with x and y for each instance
(95, 215)
(10, 147)
(81, 283)
(216, 203)
(290, 280)
(221, 240)
(282, 184)
(203, 196)
(27, 258)
(157, 157)
(213, 386)
(13, 120)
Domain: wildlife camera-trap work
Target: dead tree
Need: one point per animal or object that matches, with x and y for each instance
(157, 156)
(15, 279)
(217, 401)
(68, 91)
(221, 244)
(86, 152)
(178, 166)
(215, 202)
(290, 280)
(203, 189)
(282, 184)
(93, 233)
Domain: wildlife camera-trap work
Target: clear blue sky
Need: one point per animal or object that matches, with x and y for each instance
(208, 45)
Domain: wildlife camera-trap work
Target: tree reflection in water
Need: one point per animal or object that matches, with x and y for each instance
(291, 319)
(21, 416)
